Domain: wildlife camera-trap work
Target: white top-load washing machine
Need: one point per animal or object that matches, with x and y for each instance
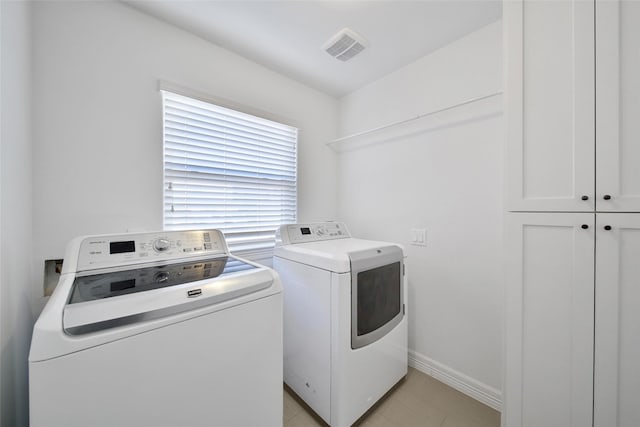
(345, 318)
(158, 329)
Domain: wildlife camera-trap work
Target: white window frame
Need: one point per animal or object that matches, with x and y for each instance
(229, 170)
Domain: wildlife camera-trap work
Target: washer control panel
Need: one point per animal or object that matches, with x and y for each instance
(303, 233)
(114, 250)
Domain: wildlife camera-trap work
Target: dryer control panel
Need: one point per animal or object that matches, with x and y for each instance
(96, 252)
(304, 233)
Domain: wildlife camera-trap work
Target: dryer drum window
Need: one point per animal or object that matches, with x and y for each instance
(377, 299)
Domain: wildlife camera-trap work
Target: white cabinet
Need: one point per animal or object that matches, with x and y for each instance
(618, 105)
(559, 267)
(550, 102)
(549, 320)
(617, 337)
(573, 159)
(572, 105)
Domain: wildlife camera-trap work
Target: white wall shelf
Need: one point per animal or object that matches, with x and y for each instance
(435, 119)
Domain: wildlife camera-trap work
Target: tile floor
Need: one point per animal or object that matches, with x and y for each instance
(417, 401)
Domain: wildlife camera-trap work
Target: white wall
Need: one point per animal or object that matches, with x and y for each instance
(97, 112)
(15, 210)
(442, 173)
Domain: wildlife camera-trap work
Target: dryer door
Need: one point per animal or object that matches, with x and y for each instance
(377, 303)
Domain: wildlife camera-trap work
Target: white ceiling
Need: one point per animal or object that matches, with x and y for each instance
(287, 36)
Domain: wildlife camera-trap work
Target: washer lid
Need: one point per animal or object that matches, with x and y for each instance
(107, 300)
(116, 283)
(332, 255)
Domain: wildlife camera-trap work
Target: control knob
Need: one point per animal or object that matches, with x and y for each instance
(161, 245)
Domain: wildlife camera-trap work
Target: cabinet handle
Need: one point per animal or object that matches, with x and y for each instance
(584, 226)
(607, 227)
(607, 197)
(585, 198)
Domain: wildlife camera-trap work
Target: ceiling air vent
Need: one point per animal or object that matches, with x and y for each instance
(345, 45)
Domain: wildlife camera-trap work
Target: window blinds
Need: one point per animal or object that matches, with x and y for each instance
(227, 170)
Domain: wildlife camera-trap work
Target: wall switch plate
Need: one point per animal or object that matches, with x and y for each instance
(419, 236)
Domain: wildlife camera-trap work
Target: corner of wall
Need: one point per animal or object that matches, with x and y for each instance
(16, 286)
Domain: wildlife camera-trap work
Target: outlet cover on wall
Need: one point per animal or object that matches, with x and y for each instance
(419, 236)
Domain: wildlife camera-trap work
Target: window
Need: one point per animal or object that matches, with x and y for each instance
(227, 170)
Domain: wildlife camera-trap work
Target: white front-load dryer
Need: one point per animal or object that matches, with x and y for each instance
(345, 318)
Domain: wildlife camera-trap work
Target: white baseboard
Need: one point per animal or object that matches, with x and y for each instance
(461, 382)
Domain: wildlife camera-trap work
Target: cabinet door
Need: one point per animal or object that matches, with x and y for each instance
(549, 48)
(618, 105)
(549, 320)
(617, 339)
